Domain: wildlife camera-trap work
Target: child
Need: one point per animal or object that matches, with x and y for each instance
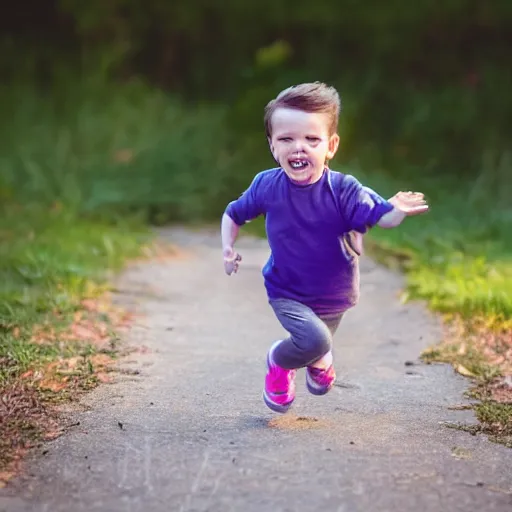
(315, 218)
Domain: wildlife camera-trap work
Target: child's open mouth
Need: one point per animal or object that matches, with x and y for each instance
(298, 164)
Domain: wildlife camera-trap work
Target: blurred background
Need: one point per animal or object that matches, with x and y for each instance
(157, 106)
(153, 110)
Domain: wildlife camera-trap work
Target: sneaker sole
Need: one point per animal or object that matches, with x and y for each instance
(275, 407)
(314, 390)
(282, 408)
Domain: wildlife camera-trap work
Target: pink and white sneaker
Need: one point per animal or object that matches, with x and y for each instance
(319, 381)
(279, 392)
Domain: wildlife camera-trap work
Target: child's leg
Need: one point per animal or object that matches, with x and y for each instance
(332, 322)
(320, 375)
(310, 336)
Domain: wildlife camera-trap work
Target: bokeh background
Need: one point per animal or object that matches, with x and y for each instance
(157, 104)
(154, 109)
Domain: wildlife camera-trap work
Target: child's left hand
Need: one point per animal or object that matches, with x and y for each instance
(410, 203)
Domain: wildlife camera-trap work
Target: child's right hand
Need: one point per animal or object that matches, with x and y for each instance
(231, 261)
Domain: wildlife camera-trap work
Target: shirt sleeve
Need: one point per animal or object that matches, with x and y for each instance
(249, 205)
(363, 207)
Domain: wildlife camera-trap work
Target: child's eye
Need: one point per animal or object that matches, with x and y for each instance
(312, 139)
(285, 139)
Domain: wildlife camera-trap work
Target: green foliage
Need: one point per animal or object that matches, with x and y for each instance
(423, 83)
(448, 128)
(94, 147)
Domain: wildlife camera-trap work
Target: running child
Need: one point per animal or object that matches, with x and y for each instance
(315, 218)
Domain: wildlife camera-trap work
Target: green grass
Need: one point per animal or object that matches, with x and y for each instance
(49, 261)
(491, 414)
(495, 421)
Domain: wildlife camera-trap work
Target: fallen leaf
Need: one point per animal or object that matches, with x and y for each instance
(67, 366)
(52, 385)
(52, 435)
(5, 476)
(464, 371)
(103, 377)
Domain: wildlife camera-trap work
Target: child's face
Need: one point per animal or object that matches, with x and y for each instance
(301, 143)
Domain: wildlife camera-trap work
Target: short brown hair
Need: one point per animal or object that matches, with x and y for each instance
(315, 97)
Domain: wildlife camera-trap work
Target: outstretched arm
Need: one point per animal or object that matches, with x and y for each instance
(247, 207)
(229, 234)
(405, 204)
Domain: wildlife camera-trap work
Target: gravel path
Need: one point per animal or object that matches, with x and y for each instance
(190, 432)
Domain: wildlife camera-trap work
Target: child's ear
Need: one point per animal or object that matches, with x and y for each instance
(334, 142)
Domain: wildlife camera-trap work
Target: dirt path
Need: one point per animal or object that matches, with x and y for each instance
(191, 432)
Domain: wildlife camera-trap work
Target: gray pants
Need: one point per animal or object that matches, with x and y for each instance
(310, 335)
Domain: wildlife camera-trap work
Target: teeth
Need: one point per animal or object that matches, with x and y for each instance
(298, 164)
